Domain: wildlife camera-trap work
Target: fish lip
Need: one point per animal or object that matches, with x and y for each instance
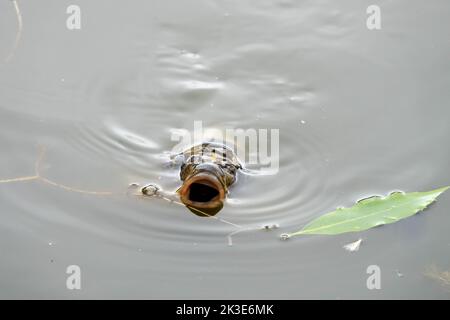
(208, 179)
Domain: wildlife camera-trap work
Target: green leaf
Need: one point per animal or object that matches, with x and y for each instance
(371, 212)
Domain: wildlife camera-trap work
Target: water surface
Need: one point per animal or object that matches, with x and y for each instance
(359, 113)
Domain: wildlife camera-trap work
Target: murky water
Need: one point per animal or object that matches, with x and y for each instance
(359, 113)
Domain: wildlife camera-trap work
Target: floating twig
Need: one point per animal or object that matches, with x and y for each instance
(38, 176)
(353, 246)
(155, 191)
(19, 31)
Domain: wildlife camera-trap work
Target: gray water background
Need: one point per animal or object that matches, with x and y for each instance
(360, 112)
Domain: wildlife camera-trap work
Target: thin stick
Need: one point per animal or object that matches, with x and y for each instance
(19, 179)
(19, 31)
(38, 176)
(67, 188)
(214, 217)
(229, 236)
(160, 194)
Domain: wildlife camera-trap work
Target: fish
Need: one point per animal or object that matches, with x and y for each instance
(207, 171)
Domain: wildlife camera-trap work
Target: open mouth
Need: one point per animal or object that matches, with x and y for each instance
(200, 192)
(203, 193)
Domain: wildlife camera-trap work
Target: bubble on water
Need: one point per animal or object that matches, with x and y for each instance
(271, 226)
(150, 190)
(284, 236)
